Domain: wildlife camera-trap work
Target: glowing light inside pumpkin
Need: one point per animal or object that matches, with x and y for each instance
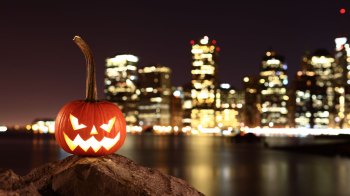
(108, 127)
(75, 123)
(93, 130)
(106, 143)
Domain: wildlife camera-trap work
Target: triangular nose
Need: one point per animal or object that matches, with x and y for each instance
(93, 131)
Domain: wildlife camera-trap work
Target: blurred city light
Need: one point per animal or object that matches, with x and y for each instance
(295, 132)
(3, 128)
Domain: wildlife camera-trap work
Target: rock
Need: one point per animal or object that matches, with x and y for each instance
(12, 184)
(107, 175)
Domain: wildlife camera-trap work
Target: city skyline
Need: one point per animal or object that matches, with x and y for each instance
(318, 97)
(50, 70)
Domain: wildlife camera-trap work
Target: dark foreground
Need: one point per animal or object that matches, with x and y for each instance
(107, 175)
(213, 165)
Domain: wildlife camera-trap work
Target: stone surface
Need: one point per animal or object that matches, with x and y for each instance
(12, 184)
(107, 175)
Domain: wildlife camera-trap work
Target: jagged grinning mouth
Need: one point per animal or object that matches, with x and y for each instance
(107, 143)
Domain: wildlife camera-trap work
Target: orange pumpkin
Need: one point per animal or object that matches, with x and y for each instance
(90, 127)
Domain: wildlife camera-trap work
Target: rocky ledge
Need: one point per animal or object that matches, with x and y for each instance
(107, 175)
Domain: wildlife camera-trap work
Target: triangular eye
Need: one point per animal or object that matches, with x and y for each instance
(108, 127)
(75, 123)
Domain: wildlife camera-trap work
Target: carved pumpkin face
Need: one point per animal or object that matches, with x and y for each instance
(90, 128)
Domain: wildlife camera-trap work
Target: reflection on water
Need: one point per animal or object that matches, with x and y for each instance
(213, 165)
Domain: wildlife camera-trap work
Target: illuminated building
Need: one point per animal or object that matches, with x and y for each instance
(273, 81)
(187, 105)
(226, 108)
(176, 110)
(239, 99)
(342, 83)
(155, 88)
(310, 102)
(252, 102)
(204, 68)
(321, 64)
(291, 107)
(121, 85)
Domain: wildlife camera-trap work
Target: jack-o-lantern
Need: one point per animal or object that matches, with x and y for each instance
(90, 127)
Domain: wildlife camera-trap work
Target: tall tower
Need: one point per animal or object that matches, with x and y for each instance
(120, 85)
(251, 108)
(187, 106)
(310, 102)
(226, 108)
(321, 63)
(273, 81)
(155, 87)
(342, 81)
(203, 91)
(176, 103)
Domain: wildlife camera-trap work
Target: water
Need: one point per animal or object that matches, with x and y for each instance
(213, 165)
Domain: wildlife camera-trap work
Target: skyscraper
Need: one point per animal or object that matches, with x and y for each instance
(251, 107)
(321, 63)
(187, 106)
(176, 110)
(155, 96)
(239, 100)
(310, 102)
(204, 71)
(120, 85)
(342, 62)
(226, 108)
(273, 81)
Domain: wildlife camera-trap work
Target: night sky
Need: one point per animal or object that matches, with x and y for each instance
(42, 69)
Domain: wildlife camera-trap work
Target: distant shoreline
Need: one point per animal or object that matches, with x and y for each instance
(23, 134)
(320, 145)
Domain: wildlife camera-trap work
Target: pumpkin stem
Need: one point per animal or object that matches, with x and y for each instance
(91, 89)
